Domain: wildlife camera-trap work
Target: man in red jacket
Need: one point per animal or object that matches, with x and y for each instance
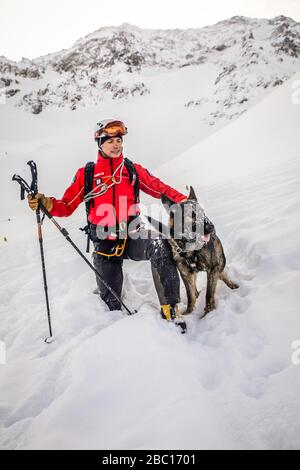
(114, 218)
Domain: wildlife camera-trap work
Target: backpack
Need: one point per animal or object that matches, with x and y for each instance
(88, 186)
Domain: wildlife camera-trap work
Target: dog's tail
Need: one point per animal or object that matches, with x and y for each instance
(225, 278)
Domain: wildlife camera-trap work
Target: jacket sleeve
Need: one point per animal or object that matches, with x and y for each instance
(72, 197)
(154, 187)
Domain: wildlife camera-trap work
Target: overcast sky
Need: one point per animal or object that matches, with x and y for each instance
(30, 28)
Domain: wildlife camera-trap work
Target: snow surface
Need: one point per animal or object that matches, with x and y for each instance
(264, 136)
(113, 381)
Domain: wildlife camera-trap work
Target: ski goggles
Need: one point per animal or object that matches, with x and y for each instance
(112, 129)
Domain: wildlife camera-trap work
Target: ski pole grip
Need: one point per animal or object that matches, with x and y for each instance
(23, 185)
(34, 183)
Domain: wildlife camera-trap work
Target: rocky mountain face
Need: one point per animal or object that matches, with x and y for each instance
(248, 57)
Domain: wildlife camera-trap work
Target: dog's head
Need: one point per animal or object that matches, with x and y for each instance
(189, 225)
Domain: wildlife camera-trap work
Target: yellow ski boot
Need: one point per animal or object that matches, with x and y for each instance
(171, 313)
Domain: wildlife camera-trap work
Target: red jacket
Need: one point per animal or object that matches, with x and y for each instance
(118, 201)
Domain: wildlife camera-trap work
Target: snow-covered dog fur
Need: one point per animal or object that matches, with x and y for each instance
(209, 258)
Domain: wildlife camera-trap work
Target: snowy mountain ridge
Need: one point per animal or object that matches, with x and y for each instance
(241, 58)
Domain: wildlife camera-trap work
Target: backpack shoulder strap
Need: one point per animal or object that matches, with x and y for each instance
(88, 186)
(88, 183)
(134, 178)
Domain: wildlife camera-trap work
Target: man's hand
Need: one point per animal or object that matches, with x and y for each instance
(33, 201)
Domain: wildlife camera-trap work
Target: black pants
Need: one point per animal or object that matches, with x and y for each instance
(164, 271)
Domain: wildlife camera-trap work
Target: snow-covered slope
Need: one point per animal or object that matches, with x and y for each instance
(241, 59)
(264, 136)
(198, 80)
(112, 381)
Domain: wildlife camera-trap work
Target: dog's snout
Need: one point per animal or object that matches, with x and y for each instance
(208, 226)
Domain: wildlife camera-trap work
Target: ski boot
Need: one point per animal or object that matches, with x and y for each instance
(171, 313)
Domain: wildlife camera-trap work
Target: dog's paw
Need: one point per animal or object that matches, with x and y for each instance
(188, 310)
(234, 285)
(209, 308)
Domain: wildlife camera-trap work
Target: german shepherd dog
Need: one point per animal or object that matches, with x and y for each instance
(194, 250)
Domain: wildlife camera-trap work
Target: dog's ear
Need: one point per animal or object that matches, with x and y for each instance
(166, 202)
(192, 195)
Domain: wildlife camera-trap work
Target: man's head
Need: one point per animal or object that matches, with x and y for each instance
(109, 137)
(112, 147)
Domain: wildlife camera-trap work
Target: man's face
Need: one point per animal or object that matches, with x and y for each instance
(113, 147)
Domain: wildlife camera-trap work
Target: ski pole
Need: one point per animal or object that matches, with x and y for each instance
(34, 190)
(26, 188)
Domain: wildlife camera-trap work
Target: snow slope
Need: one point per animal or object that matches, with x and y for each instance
(247, 55)
(112, 381)
(264, 136)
